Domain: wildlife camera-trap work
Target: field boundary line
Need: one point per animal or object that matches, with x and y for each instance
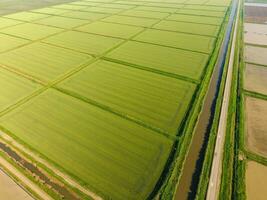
(255, 45)
(197, 34)
(23, 74)
(252, 63)
(201, 23)
(172, 47)
(201, 15)
(255, 94)
(114, 111)
(163, 73)
(254, 156)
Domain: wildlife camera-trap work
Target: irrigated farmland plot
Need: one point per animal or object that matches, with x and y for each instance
(84, 42)
(4, 22)
(13, 88)
(256, 78)
(43, 61)
(144, 22)
(117, 83)
(256, 116)
(30, 31)
(195, 19)
(252, 55)
(9, 42)
(178, 40)
(125, 89)
(256, 180)
(109, 29)
(115, 157)
(180, 62)
(186, 27)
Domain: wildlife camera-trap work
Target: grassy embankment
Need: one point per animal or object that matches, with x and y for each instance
(188, 125)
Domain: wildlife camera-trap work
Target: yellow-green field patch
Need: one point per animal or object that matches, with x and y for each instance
(5, 22)
(110, 29)
(200, 29)
(148, 97)
(135, 21)
(196, 19)
(146, 14)
(31, 31)
(84, 15)
(112, 156)
(179, 40)
(156, 9)
(201, 12)
(84, 42)
(49, 11)
(43, 61)
(161, 59)
(103, 10)
(62, 22)
(9, 42)
(14, 88)
(26, 16)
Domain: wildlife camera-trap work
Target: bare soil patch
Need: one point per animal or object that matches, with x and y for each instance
(256, 55)
(10, 190)
(255, 33)
(256, 126)
(256, 78)
(256, 181)
(255, 14)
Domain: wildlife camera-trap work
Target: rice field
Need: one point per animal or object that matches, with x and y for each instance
(101, 88)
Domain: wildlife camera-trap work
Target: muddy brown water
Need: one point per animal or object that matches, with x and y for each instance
(58, 188)
(189, 180)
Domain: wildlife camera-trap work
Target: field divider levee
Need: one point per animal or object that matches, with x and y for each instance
(116, 112)
(163, 73)
(256, 45)
(252, 63)
(216, 170)
(255, 157)
(255, 94)
(23, 74)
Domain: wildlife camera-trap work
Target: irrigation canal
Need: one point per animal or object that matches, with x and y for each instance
(188, 184)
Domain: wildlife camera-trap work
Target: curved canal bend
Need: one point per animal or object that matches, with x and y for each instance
(188, 183)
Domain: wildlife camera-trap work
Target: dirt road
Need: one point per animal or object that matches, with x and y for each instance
(215, 177)
(24, 179)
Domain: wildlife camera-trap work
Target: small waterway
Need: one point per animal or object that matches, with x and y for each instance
(43, 178)
(188, 184)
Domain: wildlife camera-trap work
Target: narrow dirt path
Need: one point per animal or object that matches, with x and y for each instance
(24, 179)
(215, 177)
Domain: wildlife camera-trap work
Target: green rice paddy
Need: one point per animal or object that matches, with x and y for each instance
(101, 88)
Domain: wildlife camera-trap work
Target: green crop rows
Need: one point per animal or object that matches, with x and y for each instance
(100, 88)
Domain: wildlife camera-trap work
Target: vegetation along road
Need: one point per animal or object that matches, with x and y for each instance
(218, 153)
